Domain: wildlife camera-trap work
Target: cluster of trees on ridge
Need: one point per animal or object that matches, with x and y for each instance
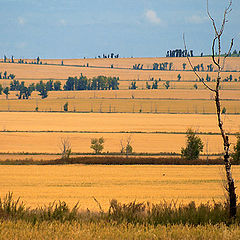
(95, 83)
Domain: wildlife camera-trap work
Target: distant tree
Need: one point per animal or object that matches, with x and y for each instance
(155, 84)
(224, 110)
(57, 86)
(14, 85)
(38, 60)
(97, 144)
(69, 85)
(195, 86)
(126, 148)
(1, 89)
(11, 76)
(65, 107)
(133, 85)
(5, 75)
(194, 146)
(49, 85)
(12, 59)
(148, 85)
(6, 91)
(5, 58)
(170, 66)
(179, 77)
(167, 85)
(184, 66)
(208, 78)
(42, 89)
(65, 148)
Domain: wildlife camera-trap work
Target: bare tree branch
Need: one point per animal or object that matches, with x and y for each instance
(230, 48)
(200, 79)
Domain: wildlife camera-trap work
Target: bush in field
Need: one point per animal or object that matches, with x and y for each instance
(65, 107)
(194, 146)
(236, 151)
(97, 144)
(1, 89)
(6, 91)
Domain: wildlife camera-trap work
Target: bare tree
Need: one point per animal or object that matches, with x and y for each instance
(126, 148)
(216, 58)
(65, 148)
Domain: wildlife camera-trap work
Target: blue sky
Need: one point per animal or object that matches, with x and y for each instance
(87, 28)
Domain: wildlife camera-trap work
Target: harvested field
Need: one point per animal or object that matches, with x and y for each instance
(39, 185)
(137, 94)
(42, 132)
(119, 105)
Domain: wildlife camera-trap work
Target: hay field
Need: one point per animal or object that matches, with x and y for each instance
(39, 185)
(80, 128)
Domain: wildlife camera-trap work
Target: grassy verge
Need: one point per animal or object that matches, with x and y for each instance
(131, 213)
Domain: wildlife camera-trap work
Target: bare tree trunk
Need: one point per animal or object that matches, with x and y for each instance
(218, 34)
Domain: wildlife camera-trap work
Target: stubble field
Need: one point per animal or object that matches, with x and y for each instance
(149, 133)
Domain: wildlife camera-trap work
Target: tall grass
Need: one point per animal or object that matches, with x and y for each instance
(130, 213)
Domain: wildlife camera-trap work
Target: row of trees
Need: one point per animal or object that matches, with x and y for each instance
(95, 83)
(12, 60)
(194, 146)
(163, 66)
(5, 75)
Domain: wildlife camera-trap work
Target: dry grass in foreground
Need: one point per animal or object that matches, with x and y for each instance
(21, 230)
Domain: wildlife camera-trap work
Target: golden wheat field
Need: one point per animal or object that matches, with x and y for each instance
(123, 69)
(39, 185)
(42, 132)
(116, 105)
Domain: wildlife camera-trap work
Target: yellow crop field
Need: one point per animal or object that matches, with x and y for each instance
(39, 185)
(174, 93)
(117, 105)
(123, 69)
(80, 128)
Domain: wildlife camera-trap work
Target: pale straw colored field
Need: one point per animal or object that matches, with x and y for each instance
(39, 185)
(141, 128)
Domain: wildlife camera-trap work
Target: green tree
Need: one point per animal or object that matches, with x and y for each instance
(184, 66)
(236, 151)
(42, 89)
(97, 144)
(167, 85)
(49, 85)
(179, 77)
(65, 107)
(194, 146)
(6, 91)
(1, 89)
(57, 86)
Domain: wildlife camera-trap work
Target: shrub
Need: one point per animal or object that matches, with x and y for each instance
(194, 146)
(97, 144)
(65, 107)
